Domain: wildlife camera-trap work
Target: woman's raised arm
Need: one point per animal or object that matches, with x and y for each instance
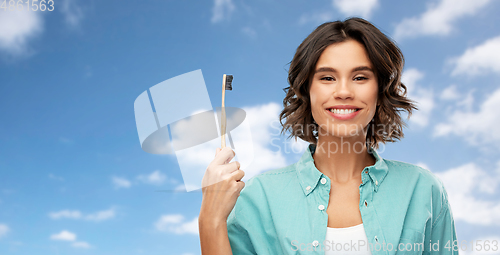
(221, 187)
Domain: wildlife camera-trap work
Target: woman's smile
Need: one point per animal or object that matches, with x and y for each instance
(343, 114)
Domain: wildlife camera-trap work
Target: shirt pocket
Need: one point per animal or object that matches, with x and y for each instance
(411, 242)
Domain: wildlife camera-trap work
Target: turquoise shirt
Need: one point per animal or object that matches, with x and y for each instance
(404, 209)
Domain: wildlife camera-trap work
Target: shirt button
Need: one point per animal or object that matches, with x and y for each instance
(323, 180)
(366, 204)
(308, 188)
(315, 243)
(366, 171)
(376, 182)
(376, 239)
(321, 207)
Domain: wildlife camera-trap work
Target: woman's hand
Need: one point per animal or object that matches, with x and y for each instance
(221, 186)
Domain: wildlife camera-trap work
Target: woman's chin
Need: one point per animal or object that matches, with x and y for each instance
(344, 135)
(345, 132)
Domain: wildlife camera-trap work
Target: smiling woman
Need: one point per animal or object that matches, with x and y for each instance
(377, 57)
(341, 197)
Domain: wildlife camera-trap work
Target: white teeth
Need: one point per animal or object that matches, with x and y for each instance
(342, 111)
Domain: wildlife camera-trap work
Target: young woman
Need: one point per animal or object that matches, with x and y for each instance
(341, 197)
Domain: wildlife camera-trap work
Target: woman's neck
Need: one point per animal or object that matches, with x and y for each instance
(342, 158)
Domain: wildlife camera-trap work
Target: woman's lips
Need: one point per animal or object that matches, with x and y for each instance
(343, 116)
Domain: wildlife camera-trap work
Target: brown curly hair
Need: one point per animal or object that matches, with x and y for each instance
(388, 61)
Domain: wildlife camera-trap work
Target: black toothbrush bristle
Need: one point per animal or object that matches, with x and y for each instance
(229, 81)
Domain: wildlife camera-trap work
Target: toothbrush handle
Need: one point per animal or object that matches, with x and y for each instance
(223, 114)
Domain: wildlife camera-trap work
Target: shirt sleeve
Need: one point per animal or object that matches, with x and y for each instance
(443, 235)
(239, 238)
(239, 230)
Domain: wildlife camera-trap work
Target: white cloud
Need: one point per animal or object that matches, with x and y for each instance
(155, 178)
(450, 93)
(120, 182)
(439, 18)
(72, 12)
(64, 236)
(65, 214)
(423, 96)
(17, 28)
(477, 128)
(462, 183)
(175, 223)
(4, 229)
(467, 101)
(70, 237)
(80, 244)
(480, 59)
(101, 215)
(222, 9)
(316, 18)
(363, 8)
(77, 215)
(261, 119)
(452, 97)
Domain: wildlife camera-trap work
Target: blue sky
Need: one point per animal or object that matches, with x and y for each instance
(73, 176)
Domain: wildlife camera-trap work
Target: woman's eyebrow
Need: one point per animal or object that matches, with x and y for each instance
(362, 68)
(333, 70)
(325, 69)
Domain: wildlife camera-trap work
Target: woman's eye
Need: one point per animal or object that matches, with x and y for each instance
(360, 78)
(327, 79)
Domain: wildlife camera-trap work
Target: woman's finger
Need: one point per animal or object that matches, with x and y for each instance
(229, 168)
(223, 156)
(238, 175)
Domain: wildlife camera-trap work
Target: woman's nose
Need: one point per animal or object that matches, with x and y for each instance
(343, 90)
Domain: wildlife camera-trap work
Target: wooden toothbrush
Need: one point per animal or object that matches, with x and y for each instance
(226, 85)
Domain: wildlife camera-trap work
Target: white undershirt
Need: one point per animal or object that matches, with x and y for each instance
(339, 240)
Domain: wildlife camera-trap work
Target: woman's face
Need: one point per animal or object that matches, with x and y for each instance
(344, 78)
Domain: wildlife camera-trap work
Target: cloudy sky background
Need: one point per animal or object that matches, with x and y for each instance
(74, 179)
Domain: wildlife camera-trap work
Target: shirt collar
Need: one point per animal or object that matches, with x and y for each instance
(309, 175)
